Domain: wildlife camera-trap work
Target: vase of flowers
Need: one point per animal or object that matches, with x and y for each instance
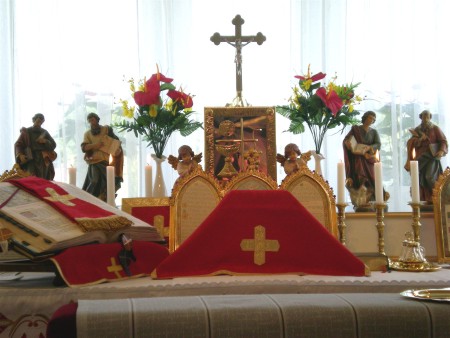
(320, 107)
(159, 111)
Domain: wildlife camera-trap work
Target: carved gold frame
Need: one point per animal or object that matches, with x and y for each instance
(441, 202)
(266, 117)
(259, 178)
(139, 202)
(326, 194)
(15, 172)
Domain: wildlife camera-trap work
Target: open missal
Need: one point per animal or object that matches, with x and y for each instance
(39, 230)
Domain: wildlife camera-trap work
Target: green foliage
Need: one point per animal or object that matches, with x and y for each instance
(306, 107)
(155, 119)
(157, 130)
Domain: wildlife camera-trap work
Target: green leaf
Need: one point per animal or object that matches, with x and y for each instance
(296, 127)
(167, 86)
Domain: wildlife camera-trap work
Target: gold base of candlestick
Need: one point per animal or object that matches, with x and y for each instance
(413, 257)
(375, 261)
(414, 266)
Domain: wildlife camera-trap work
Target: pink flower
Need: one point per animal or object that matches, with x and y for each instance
(331, 99)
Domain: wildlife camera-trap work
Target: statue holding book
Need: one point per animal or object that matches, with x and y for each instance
(361, 145)
(99, 143)
(35, 150)
(427, 145)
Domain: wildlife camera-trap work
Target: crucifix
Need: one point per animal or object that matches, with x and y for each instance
(238, 41)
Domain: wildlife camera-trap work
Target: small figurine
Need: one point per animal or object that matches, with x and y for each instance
(5, 235)
(126, 255)
(252, 158)
(412, 251)
(35, 149)
(186, 161)
(291, 161)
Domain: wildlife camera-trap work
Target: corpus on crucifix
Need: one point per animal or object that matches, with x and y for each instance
(238, 41)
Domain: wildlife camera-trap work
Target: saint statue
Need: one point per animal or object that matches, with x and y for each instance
(361, 146)
(427, 145)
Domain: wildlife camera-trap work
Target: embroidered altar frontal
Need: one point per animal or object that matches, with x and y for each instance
(260, 232)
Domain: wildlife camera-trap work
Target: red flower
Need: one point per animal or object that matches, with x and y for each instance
(152, 90)
(314, 78)
(146, 98)
(184, 99)
(331, 100)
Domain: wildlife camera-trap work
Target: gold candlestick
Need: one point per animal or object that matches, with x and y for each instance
(377, 261)
(341, 222)
(380, 226)
(416, 226)
(413, 257)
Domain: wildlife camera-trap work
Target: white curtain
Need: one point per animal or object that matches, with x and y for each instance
(67, 58)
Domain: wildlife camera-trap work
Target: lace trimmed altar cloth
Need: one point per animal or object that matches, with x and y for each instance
(33, 299)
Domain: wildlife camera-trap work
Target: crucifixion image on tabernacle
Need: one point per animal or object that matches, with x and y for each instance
(238, 41)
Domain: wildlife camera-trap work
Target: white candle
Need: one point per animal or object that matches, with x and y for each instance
(73, 176)
(415, 192)
(379, 183)
(148, 181)
(110, 186)
(340, 183)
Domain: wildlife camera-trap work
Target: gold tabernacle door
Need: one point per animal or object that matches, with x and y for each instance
(230, 132)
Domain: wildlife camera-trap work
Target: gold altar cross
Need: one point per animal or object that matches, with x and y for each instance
(238, 41)
(55, 197)
(114, 267)
(260, 245)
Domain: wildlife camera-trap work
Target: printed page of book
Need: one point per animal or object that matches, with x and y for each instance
(140, 228)
(37, 215)
(24, 236)
(358, 148)
(52, 231)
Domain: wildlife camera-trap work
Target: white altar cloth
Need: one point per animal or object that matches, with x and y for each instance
(27, 304)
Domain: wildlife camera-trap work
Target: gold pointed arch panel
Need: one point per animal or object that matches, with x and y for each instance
(441, 203)
(316, 195)
(251, 180)
(193, 198)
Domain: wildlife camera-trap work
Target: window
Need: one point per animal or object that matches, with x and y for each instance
(66, 59)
